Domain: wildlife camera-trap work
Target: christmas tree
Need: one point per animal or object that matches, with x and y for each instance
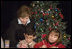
(48, 16)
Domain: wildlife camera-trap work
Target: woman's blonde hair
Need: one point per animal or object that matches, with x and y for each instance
(24, 11)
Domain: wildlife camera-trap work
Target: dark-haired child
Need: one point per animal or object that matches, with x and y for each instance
(28, 41)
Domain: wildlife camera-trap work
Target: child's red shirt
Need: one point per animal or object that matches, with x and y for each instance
(48, 45)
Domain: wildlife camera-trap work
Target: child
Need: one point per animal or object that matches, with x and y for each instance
(23, 21)
(28, 41)
(53, 40)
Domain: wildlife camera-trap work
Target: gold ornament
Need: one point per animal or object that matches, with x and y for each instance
(52, 16)
(64, 35)
(48, 9)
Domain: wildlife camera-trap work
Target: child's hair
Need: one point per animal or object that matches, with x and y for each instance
(24, 11)
(59, 35)
(30, 31)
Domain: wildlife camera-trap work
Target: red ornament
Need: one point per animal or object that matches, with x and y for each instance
(43, 14)
(50, 28)
(61, 15)
(54, 24)
(57, 23)
(32, 12)
(47, 14)
(35, 12)
(50, 6)
(44, 35)
(69, 38)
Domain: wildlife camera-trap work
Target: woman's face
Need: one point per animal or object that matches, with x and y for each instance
(53, 37)
(24, 20)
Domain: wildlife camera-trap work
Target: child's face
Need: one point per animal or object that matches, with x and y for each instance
(24, 20)
(29, 38)
(53, 37)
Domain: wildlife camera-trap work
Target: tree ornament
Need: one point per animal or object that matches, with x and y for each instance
(64, 36)
(36, 23)
(41, 5)
(41, 19)
(33, 4)
(32, 12)
(55, 26)
(37, 5)
(48, 9)
(37, 1)
(44, 35)
(36, 12)
(47, 23)
(43, 14)
(50, 28)
(56, 10)
(57, 23)
(41, 29)
(55, 14)
(61, 15)
(69, 38)
(41, 10)
(52, 16)
(47, 14)
(34, 26)
(51, 7)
